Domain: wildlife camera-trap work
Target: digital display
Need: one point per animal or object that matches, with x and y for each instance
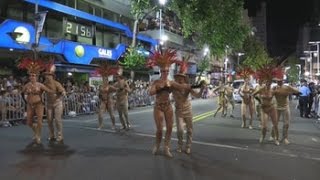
(78, 29)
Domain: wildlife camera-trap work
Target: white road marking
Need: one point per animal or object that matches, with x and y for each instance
(219, 145)
(314, 139)
(108, 117)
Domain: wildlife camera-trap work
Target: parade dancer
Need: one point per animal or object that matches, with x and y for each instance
(245, 93)
(54, 104)
(183, 109)
(258, 101)
(34, 91)
(122, 100)
(105, 94)
(268, 109)
(229, 96)
(162, 88)
(281, 93)
(222, 100)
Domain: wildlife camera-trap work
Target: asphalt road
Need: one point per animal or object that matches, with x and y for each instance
(221, 150)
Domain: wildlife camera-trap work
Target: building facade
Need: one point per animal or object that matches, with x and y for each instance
(76, 32)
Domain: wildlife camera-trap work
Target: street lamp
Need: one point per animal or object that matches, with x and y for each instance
(309, 59)
(205, 51)
(162, 3)
(305, 65)
(317, 43)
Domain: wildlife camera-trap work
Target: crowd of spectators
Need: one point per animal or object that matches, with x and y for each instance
(81, 98)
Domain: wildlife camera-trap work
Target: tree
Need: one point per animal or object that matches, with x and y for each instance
(203, 65)
(138, 8)
(134, 60)
(294, 71)
(218, 23)
(255, 54)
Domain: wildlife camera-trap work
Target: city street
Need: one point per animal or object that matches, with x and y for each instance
(221, 150)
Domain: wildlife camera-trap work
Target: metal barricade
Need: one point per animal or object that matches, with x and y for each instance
(13, 107)
(80, 103)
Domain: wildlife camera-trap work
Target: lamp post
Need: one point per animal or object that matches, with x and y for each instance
(310, 61)
(318, 66)
(226, 64)
(305, 65)
(162, 3)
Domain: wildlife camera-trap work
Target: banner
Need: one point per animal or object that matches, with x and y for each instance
(40, 18)
(39, 23)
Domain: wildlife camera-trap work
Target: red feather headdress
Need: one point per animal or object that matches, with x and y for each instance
(268, 72)
(183, 65)
(32, 66)
(163, 60)
(245, 72)
(50, 68)
(105, 69)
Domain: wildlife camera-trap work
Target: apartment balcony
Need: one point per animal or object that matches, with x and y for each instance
(172, 37)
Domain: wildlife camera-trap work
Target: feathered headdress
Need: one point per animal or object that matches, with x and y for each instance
(245, 72)
(32, 66)
(268, 72)
(105, 69)
(163, 60)
(183, 68)
(50, 68)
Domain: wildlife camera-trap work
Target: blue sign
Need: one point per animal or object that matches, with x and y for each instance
(74, 12)
(20, 35)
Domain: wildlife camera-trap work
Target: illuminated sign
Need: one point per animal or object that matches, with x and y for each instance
(77, 29)
(73, 52)
(105, 53)
(25, 34)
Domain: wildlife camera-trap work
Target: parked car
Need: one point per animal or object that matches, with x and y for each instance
(236, 86)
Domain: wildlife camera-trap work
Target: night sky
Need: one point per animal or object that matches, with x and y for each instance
(284, 17)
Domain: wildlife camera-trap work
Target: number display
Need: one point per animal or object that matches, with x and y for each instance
(78, 29)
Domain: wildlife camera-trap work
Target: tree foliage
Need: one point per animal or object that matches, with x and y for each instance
(255, 53)
(204, 64)
(138, 8)
(133, 60)
(217, 23)
(294, 70)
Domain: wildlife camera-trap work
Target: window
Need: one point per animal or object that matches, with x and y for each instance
(84, 6)
(110, 15)
(70, 3)
(14, 11)
(99, 38)
(54, 28)
(110, 40)
(127, 21)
